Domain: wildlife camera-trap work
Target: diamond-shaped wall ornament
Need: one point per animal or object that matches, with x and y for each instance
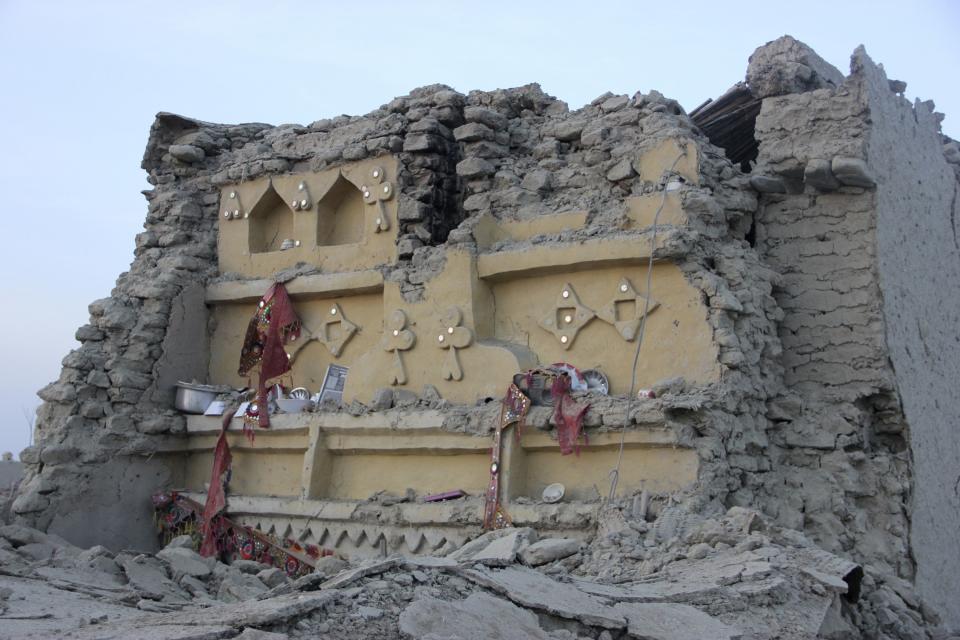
(567, 316)
(453, 337)
(626, 324)
(333, 340)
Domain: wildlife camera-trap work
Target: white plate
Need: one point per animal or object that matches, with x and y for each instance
(553, 493)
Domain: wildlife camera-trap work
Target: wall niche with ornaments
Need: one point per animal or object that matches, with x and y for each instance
(340, 215)
(271, 222)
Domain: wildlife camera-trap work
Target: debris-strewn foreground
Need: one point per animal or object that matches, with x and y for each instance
(733, 576)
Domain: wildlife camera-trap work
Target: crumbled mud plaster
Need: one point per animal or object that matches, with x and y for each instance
(820, 270)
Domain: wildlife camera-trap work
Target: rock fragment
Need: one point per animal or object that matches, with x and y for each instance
(670, 621)
(478, 617)
(548, 550)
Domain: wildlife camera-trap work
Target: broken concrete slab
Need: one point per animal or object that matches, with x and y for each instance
(256, 634)
(533, 589)
(220, 621)
(662, 591)
(670, 621)
(429, 562)
(478, 544)
(504, 550)
(479, 617)
(345, 578)
(148, 577)
(92, 582)
(40, 609)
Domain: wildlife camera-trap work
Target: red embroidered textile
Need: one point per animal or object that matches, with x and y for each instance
(216, 494)
(273, 325)
(568, 416)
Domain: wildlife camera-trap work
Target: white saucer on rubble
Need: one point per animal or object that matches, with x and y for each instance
(553, 493)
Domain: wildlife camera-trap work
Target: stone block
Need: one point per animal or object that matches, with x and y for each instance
(787, 65)
(59, 454)
(548, 550)
(768, 184)
(239, 587)
(493, 119)
(536, 180)
(187, 153)
(422, 142)
(819, 175)
(620, 171)
(273, 577)
(614, 103)
(472, 132)
(569, 130)
(853, 172)
(475, 168)
(185, 561)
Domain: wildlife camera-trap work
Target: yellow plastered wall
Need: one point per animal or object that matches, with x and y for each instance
(682, 155)
(359, 476)
(321, 463)
(659, 469)
(502, 298)
(272, 465)
(337, 229)
(310, 363)
(487, 365)
(678, 340)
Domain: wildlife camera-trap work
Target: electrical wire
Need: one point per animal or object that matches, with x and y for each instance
(614, 474)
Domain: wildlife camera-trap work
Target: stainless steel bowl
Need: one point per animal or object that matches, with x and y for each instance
(193, 397)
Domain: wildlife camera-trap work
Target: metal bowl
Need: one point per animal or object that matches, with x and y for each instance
(193, 397)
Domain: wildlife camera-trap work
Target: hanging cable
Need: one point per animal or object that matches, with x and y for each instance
(614, 474)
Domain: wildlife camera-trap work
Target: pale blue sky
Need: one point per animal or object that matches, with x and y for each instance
(81, 82)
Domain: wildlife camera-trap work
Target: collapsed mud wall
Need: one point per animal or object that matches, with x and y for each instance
(856, 214)
(805, 418)
(916, 216)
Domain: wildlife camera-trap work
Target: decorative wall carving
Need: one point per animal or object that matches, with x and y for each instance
(233, 209)
(627, 323)
(303, 202)
(378, 192)
(396, 339)
(567, 316)
(325, 334)
(453, 337)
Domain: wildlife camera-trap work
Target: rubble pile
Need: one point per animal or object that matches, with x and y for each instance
(734, 576)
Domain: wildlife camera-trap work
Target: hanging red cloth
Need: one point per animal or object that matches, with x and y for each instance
(216, 493)
(568, 416)
(273, 325)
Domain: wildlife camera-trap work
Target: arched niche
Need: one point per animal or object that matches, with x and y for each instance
(271, 222)
(340, 215)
